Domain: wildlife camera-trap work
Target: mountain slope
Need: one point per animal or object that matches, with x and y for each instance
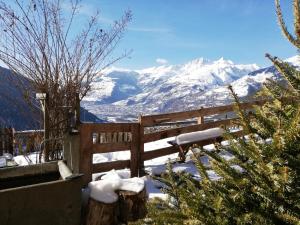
(15, 111)
(172, 88)
(160, 89)
(251, 83)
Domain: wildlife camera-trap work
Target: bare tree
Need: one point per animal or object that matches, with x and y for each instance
(38, 40)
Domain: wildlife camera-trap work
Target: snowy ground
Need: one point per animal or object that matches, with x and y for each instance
(155, 166)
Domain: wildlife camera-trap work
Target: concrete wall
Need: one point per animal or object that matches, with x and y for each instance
(48, 203)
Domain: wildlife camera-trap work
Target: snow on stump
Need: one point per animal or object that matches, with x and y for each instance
(114, 200)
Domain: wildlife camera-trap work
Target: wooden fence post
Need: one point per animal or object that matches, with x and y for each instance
(10, 140)
(200, 119)
(141, 147)
(6, 140)
(46, 128)
(1, 140)
(77, 110)
(134, 151)
(85, 156)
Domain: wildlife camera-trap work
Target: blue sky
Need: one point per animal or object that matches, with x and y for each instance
(179, 31)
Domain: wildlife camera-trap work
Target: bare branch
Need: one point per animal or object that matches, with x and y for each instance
(38, 41)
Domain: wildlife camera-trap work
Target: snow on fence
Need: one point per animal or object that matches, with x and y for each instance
(202, 124)
(112, 137)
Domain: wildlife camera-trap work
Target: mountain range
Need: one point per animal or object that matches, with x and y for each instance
(121, 94)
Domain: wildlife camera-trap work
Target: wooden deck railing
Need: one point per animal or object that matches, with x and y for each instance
(27, 141)
(6, 140)
(200, 119)
(105, 138)
(112, 137)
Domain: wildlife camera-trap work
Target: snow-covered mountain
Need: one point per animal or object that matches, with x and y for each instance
(125, 93)
(252, 82)
(121, 95)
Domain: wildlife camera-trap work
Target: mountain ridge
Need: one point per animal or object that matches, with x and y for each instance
(166, 88)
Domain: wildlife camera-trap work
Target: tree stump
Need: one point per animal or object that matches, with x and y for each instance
(100, 213)
(132, 205)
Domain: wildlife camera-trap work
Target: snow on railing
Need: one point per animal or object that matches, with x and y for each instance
(134, 137)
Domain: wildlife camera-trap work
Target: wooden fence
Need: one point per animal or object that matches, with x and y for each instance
(111, 137)
(19, 142)
(27, 141)
(106, 138)
(202, 122)
(6, 140)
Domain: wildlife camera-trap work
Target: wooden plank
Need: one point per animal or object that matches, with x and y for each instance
(159, 152)
(176, 131)
(200, 119)
(204, 142)
(108, 127)
(134, 152)
(190, 122)
(152, 120)
(1, 141)
(111, 147)
(107, 166)
(85, 154)
(141, 146)
(173, 149)
(238, 133)
(46, 150)
(6, 140)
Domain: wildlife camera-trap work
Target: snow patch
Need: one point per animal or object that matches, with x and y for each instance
(104, 190)
(199, 136)
(29, 159)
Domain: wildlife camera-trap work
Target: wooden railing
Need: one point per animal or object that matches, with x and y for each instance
(105, 138)
(6, 140)
(111, 137)
(27, 141)
(201, 123)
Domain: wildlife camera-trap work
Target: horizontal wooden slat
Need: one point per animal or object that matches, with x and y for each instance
(238, 133)
(107, 166)
(173, 149)
(109, 127)
(169, 117)
(176, 131)
(111, 147)
(191, 122)
(159, 152)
